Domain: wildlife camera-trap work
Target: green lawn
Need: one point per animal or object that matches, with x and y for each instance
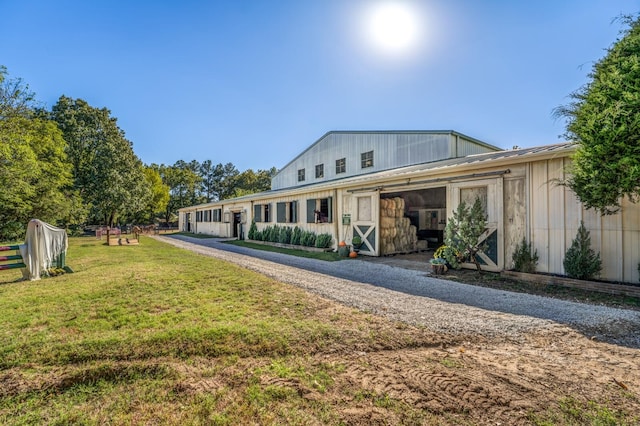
(151, 333)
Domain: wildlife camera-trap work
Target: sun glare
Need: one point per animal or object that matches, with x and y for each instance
(393, 27)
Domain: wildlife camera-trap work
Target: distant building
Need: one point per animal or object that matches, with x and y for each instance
(396, 190)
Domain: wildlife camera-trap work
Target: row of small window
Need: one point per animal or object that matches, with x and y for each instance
(319, 210)
(213, 215)
(366, 160)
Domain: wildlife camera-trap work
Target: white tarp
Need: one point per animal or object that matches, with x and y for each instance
(43, 244)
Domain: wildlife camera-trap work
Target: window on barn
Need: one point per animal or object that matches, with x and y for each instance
(216, 215)
(300, 175)
(199, 216)
(287, 212)
(341, 166)
(262, 213)
(319, 171)
(320, 210)
(366, 159)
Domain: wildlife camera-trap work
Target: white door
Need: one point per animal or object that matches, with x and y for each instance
(365, 209)
(490, 193)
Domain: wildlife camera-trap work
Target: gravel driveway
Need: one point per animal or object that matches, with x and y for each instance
(415, 297)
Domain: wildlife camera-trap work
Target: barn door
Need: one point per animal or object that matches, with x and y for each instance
(490, 193)
(364, 221)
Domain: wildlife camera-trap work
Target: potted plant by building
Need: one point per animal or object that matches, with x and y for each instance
(438, 265)
(343, 249)
(356, 242)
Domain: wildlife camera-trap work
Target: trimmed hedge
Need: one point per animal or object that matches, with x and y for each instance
(288, 235)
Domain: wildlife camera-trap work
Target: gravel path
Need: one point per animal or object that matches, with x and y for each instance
(415, 297)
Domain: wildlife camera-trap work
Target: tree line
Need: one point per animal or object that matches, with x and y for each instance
(72, 165)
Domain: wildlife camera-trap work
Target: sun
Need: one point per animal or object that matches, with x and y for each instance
(393, 27)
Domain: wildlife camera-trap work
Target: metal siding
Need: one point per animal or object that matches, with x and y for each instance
(630, 228)
(467, 147)
(611, 247)
(390, 151)
(539, 214)
(556, 214)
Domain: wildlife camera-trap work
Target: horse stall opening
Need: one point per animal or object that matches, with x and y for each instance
(413, 220)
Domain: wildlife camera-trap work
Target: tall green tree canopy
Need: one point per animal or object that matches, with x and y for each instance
(106, 171)
(159, 199)
(35, 175)
(604, 120)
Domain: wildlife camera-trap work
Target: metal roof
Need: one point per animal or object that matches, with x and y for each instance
(442, 166)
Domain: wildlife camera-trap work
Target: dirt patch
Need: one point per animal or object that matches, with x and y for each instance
(472, 382)
(400, 375)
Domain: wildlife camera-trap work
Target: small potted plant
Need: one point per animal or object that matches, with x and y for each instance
(356, 242)
(438, 265)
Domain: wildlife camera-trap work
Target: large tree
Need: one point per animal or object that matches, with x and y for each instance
(604, 119)
(35, 175)
(183, 185)
(250, 182)
(106, 171)
(157, 202)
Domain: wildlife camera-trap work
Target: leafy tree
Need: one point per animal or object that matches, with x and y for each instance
(15, 97)
(250, 182)
(463, 231)
(106, 171)
(35, 175)
(580, 260)
(225, 180)
(604, 119)
(183, 185)
(159, 199)
(208, 182)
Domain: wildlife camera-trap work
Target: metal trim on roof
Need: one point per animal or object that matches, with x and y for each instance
(521, 155)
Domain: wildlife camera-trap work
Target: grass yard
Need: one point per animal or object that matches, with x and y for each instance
(152, 334)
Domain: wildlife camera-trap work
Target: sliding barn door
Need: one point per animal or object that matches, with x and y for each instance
(490, 193)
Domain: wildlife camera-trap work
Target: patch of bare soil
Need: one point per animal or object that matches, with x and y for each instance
(472, 382)
(403, 375)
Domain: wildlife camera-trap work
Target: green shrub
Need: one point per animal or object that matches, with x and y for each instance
(257, 235)
(525, 258)
(323, 240)
(252, 230)
(296, 236)
(308, 239)
(581, 261)
(463, 231)
(266, 234)
(284, 237)
(274, 234)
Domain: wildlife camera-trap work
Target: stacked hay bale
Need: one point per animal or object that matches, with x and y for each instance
(397, 234)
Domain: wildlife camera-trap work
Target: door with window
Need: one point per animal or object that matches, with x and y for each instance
(489, 191)
(364, 221)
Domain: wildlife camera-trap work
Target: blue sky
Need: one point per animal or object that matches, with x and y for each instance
(255, 82)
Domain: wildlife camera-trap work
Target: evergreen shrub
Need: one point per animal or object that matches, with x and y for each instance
(581, 261)
(323, 240)
(296, 236)
(525, 258)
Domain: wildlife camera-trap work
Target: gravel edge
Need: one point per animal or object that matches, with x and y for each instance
(416, 298)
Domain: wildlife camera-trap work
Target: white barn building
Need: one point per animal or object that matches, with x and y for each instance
(370, 183)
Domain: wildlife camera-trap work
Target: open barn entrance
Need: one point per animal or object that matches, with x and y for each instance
(413, 220)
